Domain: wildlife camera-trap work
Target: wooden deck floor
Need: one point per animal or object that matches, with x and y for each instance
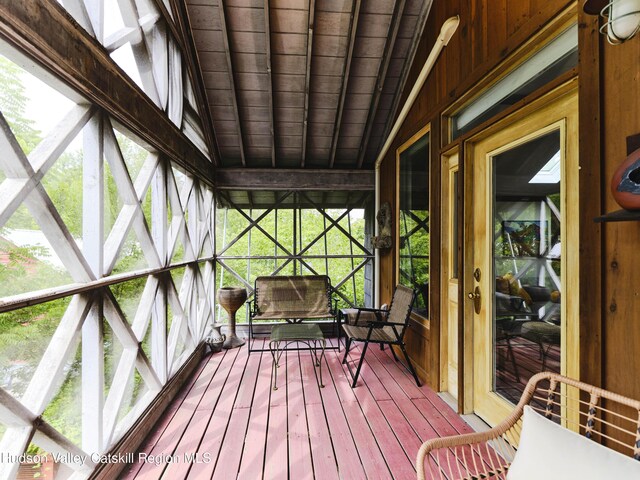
(238, 427)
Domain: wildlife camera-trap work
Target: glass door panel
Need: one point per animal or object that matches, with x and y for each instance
(526, 263)
(523, 202)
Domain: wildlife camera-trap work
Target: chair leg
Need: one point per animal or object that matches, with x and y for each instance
(355, 377)
(346, 349)
(513, 359)
(413, 372)
(393, 352)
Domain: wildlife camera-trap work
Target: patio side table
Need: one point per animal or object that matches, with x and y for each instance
(308, 333)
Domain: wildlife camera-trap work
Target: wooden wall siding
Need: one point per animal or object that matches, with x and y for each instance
(620, 90)
(591, 180)
(489, 31)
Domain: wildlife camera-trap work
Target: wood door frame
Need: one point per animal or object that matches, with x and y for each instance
(450, 162)
(563, 101)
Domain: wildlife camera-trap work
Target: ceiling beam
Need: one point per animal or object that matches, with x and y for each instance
(353, 27)
(267, 32)
(307, 81)
(392, 34)
(234, 94)
(422, 20)
(286, 179)
(194, 69)
(47, 34)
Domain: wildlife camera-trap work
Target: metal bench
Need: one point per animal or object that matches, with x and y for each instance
(292, 298)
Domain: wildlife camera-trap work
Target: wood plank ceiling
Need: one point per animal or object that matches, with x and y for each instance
(310, 84)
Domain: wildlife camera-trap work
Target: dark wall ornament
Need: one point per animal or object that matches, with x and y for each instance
(625, 183)
(383, 240)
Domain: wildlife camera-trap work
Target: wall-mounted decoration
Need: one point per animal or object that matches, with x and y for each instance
(383, 240)
(625, 183)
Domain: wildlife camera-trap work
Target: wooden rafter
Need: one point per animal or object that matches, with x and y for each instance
(394, 27)
(415, 41)
(47, 34)
(267, 32)
(190, 53)
(234, 93)
(307, 81)
(353, 28)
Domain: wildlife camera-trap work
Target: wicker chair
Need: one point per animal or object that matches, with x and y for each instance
(389, 331)
(603, 416)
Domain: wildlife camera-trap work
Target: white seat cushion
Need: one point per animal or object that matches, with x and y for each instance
(550, 451)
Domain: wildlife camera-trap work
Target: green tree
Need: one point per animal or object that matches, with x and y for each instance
(13, 104)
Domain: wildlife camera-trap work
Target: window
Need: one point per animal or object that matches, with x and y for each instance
(413, 218)
(558, 56)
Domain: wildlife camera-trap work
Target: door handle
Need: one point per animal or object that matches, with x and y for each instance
(476, 297)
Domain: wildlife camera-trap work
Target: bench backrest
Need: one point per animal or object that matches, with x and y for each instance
(283, 295)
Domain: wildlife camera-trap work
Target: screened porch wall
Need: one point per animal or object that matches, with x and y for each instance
(106, 242)
(296, 233)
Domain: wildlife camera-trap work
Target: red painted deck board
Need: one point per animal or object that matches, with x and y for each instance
(238, 427)
(216, 429)
(253, 452)
(384, 432)
(176, 427)
(370, 454)
(198, 376)
(300, 466)
(228, 463)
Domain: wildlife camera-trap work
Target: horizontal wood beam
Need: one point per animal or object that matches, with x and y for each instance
(29, 299)
(48, 34)
(289, 179)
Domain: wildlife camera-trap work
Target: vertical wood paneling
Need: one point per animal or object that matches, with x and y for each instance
(590, 147)
(477, 39)
(517, 14)
(620, 74)
(488, 32)
(497, 27)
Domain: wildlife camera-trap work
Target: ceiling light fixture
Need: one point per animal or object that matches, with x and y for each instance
(622, 18)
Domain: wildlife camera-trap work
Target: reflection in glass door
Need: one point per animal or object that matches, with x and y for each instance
(526, 263)
(523, 227)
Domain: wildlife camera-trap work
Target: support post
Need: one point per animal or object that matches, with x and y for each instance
(159, 233)
(93, 242)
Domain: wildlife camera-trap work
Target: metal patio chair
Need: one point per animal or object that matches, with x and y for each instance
(389, 331)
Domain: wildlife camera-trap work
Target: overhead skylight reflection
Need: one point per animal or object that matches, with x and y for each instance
(550, 173)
